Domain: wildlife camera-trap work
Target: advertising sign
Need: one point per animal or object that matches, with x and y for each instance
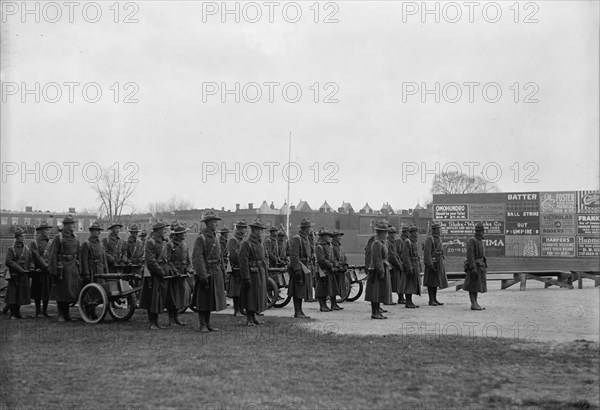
(450, 212)
(588, 224)
(467, 228)
(522, 245)
(487, 212)
(558, 224)
(588, 246)
(558, 202)
(588, 202)
(563, 246)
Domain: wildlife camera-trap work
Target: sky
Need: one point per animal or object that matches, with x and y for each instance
(154, 87)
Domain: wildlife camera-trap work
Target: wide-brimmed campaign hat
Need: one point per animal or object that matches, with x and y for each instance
(209, 216)
(479, 227)
(114, 225)
(180, 228)
(337, 232)
(144, 233)
(134, 228)
(305, 223)
(392, 229)
(19, 232)
(95, 226)
(413, 228)
(324, 231)
(43, 225)
(405, 228)
(436, 225)
(68, 219)
(273, 229)
(224, 230)
(280, 233)
(241, 223)
(257, 223)
(382, 226)
(159, 225)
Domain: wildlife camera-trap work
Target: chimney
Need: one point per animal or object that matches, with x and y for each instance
(292, 207)
(237, 207)
(250, 205)
(72, 210)
(28, 209)
(222, 209)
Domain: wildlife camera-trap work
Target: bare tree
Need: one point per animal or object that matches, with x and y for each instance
(174, 203)
(113, 192)
(459, 183)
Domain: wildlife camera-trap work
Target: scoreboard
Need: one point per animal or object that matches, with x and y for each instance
(536, 224)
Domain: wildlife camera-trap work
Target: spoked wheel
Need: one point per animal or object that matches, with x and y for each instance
(121, 309)
(283, 298)
(272, 293)
(356, 289)
(344, 289)
(93, 303)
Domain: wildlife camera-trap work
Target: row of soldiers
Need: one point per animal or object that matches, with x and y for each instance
(393, 266)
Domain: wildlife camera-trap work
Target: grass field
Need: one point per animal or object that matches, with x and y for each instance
(282, 365)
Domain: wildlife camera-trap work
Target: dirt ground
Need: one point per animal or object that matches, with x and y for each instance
(537, 314)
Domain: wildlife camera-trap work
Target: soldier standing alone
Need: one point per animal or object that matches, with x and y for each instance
(435, 272)
(476, 267)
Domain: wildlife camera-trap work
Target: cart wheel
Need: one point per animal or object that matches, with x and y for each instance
(187, 297)
(272, 293)
(356, 289)
(93, 303)
(344, 289)
(283, 299)
(121, 308)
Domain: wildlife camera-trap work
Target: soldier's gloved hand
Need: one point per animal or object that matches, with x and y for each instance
(246, 283)
(204, 283)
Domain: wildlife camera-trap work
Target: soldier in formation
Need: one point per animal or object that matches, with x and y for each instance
(223, 241)
(235, 280)
(93, 258)
(209, 294)
(299, 268)
(340, 260)
(254, 270)
(19, 262)
(476, 267)
(435, 272)
(395, 263)
(271, 247)
(64, 266)
(113, 247)
(410, 281)
(154, 284)
(399, 246)
(378, 289)
(133, 252)
(327, 282)
(41, 283)
(180, 266)
(283, 249)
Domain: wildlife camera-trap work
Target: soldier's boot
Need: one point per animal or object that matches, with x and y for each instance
(435, 297)
(67, 313)
(176, 319)
(208, 326)
(38, 307)
(323, 305)
(409, 303)
(430, 292)
(14, 312)
(153, 321)
(45, 309)
(334, 304)
(249, 319)
(171, 319)
(61, 311)
(474, 304)
(236, 306)
(255, 320)
(201, 321)
(401, 299)
(375, 311)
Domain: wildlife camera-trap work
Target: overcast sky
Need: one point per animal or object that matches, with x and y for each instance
(373, 141)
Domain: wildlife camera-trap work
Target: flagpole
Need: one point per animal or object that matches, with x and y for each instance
(287, 223)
